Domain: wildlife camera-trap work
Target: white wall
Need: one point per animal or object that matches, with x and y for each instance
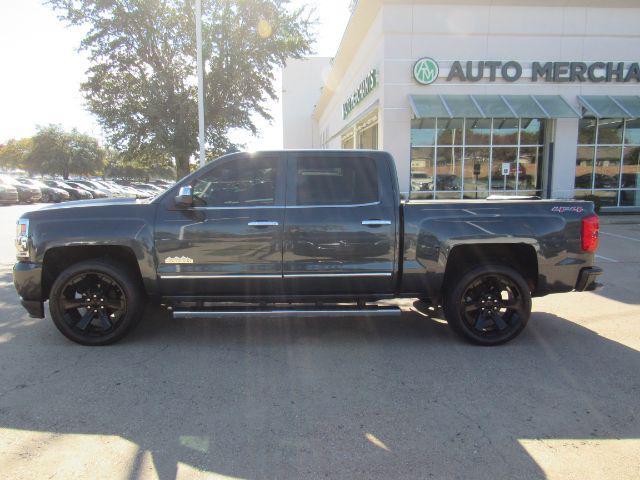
(302, 80)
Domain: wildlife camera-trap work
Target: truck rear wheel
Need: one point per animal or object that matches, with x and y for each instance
(488, 305)
(96, 302)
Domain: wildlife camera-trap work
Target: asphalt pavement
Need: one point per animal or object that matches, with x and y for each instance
(330, 398)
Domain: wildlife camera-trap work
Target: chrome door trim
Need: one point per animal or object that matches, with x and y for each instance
(253, 207)
(263, 224)
(323, 275)
(214, 276)
(286, 275)
(336, 206)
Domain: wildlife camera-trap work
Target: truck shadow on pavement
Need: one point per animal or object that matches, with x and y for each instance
(310, 398)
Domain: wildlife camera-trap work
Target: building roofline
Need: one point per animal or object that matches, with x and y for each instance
(366, 11)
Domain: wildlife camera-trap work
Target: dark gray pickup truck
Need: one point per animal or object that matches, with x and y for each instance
(300, 233)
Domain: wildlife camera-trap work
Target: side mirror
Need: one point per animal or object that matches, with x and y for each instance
(184, 197)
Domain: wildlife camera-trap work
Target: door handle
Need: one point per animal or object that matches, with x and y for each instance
(263, 224)
(376, 223)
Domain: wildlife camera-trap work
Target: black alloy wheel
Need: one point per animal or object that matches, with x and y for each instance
(489, 305)
(95, 302)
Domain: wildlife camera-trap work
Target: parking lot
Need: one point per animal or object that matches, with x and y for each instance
(330, 398)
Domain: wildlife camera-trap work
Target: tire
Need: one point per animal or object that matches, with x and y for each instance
(114, 296)
(476, 308)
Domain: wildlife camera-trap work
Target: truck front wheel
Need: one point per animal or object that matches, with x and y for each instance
(96, 302)
(488, 305)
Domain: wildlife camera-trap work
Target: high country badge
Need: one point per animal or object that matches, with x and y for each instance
(178, 260)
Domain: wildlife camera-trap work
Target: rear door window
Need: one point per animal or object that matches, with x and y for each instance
(325, 180)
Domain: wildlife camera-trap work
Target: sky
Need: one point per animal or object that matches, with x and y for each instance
(42, 71)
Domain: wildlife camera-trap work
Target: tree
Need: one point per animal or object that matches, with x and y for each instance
(142, 79)
(57, 152)
(14, 153)
(143, 166)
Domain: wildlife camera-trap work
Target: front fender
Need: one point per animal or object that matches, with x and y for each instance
(134, 233)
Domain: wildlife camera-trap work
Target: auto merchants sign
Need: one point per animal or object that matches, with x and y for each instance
(367, 85)
(426, 71)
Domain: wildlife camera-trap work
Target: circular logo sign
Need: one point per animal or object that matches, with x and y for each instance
(426, 71)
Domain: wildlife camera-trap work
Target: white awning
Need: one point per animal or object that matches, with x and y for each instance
(608, 106)
(491, 106)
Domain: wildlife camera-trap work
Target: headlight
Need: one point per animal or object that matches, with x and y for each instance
(22, 238)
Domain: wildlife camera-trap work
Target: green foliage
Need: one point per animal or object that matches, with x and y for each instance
(14, 153)
(56, 152)
(144, 165)
(142, 80)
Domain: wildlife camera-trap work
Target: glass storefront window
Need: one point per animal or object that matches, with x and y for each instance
(476, 171)
(422, 168)
(368, 138)
(450, 131)
(478, 131)
(630, 198)
(631, 168)
(610, 131)
(530, 159)
(608, 161)
(505, 131)
(504, 156)
(449, 170)
(587, 131)
(632, 132)
(531, 132)
(470, 155)
(607, 167)
(584, 167)
(423, 132)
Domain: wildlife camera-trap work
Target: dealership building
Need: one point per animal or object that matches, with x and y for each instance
(482, 97)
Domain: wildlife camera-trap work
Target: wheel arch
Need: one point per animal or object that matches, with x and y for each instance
(520, 256)
(57, 259)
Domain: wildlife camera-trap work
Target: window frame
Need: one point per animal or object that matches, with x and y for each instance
(292, 177)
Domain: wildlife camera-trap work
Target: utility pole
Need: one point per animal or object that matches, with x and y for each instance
(200, 80)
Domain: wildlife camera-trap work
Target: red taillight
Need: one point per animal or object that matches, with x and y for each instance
(590, 233)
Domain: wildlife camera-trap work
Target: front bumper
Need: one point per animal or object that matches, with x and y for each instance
(587, 279)
(34, 308)
(27, 278)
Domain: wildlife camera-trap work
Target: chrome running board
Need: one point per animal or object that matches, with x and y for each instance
(284, 312)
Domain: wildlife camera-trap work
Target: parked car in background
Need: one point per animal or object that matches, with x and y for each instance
(8, 194)
(26, 193)
(49, 194)
(133, 189)
(147, 187)
(124, 191)
(164, 184)
(75, 193)
(96, 191)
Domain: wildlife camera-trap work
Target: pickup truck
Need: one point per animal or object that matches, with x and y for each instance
(300, 233)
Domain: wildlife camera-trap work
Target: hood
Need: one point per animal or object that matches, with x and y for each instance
(93, 203)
